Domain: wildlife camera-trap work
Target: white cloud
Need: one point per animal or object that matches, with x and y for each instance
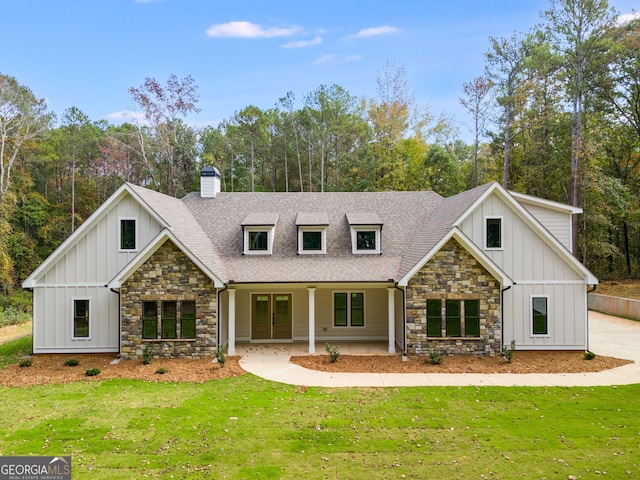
(249, 30)
(351, 58)
(373, 31)
(303, 43)
(628, 17)
(127, 116)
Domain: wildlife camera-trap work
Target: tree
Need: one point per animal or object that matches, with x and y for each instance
(505, 62)
(577, 31)
(23, 118)
(477, 101)
(164, 108)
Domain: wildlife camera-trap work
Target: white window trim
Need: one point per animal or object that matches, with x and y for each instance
(73, 316)
(323, 249)
(127, 250)
(365, 228)
(539, 335)
(485, 232)
(333, 309)
(270, 233)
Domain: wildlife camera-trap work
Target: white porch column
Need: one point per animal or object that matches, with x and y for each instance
(392, 315)
(312, 319)
(231, 343)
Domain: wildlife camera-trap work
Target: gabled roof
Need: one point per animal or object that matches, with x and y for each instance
(456, 234)
(187, 230)
(529, 219)
(87, 225)
(151, 248)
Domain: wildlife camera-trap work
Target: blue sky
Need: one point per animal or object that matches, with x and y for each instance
(88, 53)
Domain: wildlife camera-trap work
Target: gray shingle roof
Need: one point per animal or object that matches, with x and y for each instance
(212, 229)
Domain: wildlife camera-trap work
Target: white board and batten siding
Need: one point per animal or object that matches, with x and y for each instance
(537, 270)
(557, 222)
(82, 272)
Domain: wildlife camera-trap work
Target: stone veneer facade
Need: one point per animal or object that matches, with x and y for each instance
(453, 274)
(168, 275)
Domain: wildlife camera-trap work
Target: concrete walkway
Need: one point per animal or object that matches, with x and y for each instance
(610, 336)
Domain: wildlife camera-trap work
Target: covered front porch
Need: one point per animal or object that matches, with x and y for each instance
(307, 316)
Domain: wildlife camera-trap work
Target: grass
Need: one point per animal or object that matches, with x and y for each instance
(10, 352)
(247, 427)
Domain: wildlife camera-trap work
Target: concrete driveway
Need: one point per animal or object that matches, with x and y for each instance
(610, 336)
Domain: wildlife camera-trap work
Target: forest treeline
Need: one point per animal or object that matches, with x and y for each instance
(555, 114)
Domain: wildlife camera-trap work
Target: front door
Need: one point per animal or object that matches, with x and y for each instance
(271, 314)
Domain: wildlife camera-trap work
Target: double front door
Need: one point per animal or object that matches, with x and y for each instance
(271, 316)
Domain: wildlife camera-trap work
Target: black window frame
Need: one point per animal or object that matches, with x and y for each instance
(128, 234)
(537, 318)
(493, 233)
(434, 317)
(86, 318)
(350, 311)
(149, 322)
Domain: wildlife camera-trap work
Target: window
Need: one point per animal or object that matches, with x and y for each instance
(472, 318)
(128, 234)
(81, 318)
(348, 309)
(493, 233)
(150, 320)
(539, 316)
(177, 320)
(311, 240)
(169, 320)
(365, 239)
(453, 318)
(258, 240)
(434, 318)
(188, 319)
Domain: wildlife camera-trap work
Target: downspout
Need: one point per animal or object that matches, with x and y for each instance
(119, 318)
(218, 333)
(587, 312)
(502, 314)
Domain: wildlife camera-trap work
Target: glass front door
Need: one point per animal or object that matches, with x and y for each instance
(271, 316)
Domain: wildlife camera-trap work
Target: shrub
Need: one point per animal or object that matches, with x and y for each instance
(333, 351)
(72, 362)
(11, 316)
(161, 371)
(589, 355)
(27, 362)
(507, 351)
(435, 357)
(147, 354)
(221, 353)
(92, 372)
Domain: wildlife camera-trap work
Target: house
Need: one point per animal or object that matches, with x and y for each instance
(464, 274)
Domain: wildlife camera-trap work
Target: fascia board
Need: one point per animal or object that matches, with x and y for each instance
(65, 246)
(150, 249)
(557, 206)
(470, 247)
(529, 219)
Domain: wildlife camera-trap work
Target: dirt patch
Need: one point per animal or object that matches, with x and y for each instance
(620, 288)
(523, 362)
(12, 332)
(48, 369)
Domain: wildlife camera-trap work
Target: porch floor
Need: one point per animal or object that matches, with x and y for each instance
(302, 348)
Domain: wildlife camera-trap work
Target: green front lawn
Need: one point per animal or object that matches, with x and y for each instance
(246, 427)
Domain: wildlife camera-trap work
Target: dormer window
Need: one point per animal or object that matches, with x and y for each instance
(312, 234)
(258, 231)
(366, 229)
